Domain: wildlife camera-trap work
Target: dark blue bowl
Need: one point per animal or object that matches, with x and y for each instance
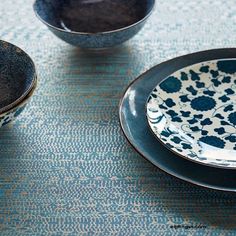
(9, 115)
(94, 23)
(17, 76)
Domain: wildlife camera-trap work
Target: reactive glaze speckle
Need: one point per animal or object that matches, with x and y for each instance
(95, 23)
(17, 81)
(193, 112)
(17, 75)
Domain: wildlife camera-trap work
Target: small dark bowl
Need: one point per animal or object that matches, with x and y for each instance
(17, 76)
(94, 23)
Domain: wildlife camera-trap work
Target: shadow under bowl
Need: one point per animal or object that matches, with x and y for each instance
(94, 23)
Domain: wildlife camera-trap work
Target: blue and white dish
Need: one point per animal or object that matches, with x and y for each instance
(193, 112)
(134, 124)
(18, 80)
(94, 24)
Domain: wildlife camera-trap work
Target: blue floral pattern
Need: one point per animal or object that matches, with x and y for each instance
(171, 85)
(9, 116)
(203, 103)
(193, 112)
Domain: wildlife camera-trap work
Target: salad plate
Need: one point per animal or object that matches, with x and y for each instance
(134, 124)
(193, 112)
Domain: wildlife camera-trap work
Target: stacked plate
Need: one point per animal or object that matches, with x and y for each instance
(181, 116)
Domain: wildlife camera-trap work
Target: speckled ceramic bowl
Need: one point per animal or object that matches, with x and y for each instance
(8, 116)
(17, 81)
(94, 23)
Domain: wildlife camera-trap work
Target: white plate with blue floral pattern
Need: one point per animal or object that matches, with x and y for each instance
(193, 113)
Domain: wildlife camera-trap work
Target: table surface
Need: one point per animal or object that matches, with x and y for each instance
(65, 167)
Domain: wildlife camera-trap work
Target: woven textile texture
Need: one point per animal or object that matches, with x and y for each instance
(65, 167)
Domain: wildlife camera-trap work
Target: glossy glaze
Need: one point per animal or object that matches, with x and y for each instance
(96, 16)
(135, 126)
(94, 23)
(17, 75)
(192, 112)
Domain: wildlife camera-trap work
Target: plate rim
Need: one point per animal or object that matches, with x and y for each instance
(163, 143)
(159, 166)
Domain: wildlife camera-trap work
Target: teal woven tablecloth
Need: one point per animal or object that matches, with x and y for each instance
(65, 167)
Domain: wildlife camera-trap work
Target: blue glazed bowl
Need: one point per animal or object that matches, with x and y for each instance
(17, 81)
(8, 116)
(94, 23)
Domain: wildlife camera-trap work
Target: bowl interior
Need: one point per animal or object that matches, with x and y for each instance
(17, 74)
(92, 16)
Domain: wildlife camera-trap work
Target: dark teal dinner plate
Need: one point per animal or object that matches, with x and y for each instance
(134, 124)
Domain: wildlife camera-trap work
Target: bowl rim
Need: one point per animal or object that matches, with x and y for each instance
(90, 33)
(26, 92)
(24, 101)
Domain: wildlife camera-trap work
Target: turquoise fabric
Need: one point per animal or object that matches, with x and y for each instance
(65, 167)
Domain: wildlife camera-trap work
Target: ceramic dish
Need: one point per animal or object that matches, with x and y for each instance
(94, 24)
(134, 124)
(17, 76)
(192, 112)
(9, 115)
